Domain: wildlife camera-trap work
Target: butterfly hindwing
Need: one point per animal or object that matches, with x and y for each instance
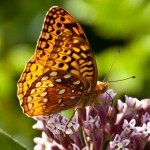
(54, 91)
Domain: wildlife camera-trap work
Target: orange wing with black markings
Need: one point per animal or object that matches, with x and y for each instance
(62, 73)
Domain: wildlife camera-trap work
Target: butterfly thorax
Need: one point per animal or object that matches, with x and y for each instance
(92, 97)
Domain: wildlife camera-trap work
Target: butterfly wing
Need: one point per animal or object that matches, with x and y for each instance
(52, 92)
(67, 78)
(32, 70)
(66, 52)
(72, 53)
(57, 20)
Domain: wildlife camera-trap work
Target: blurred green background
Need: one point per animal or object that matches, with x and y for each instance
(109, 25)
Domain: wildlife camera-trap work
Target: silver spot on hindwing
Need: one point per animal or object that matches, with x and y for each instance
(29, 98)
(72, 97)
(77, 82)
(53, 73)
(58, 80)
(60, 100)
(51, 85)
(38, 84)
(43, 94)
(45, 100)
(44, 78)
(62, 91)
(32, 91)
(66, 76)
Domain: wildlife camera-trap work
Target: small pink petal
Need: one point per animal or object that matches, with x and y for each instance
(125, 142)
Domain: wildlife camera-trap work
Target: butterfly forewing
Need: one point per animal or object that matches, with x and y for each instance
(57, 21)
(62, 73)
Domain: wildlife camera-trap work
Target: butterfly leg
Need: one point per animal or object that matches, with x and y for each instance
(70, 119)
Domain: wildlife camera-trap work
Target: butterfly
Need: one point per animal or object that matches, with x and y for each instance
(62, 73)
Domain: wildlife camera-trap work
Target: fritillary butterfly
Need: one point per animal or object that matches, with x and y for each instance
(62, 73)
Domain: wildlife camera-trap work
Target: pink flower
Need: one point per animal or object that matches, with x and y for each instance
(97, 127)
(119, 143)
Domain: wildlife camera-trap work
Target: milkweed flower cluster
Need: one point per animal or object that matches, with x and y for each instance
(98, 127)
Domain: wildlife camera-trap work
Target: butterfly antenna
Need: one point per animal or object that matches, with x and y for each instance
(122, 79)
(111, 65)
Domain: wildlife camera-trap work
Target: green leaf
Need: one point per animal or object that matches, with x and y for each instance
(8, 143)
(68, 113)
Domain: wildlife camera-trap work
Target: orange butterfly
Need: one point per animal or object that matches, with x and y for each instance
(62, 73)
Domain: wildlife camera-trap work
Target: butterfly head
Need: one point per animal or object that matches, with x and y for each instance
(101, 87)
